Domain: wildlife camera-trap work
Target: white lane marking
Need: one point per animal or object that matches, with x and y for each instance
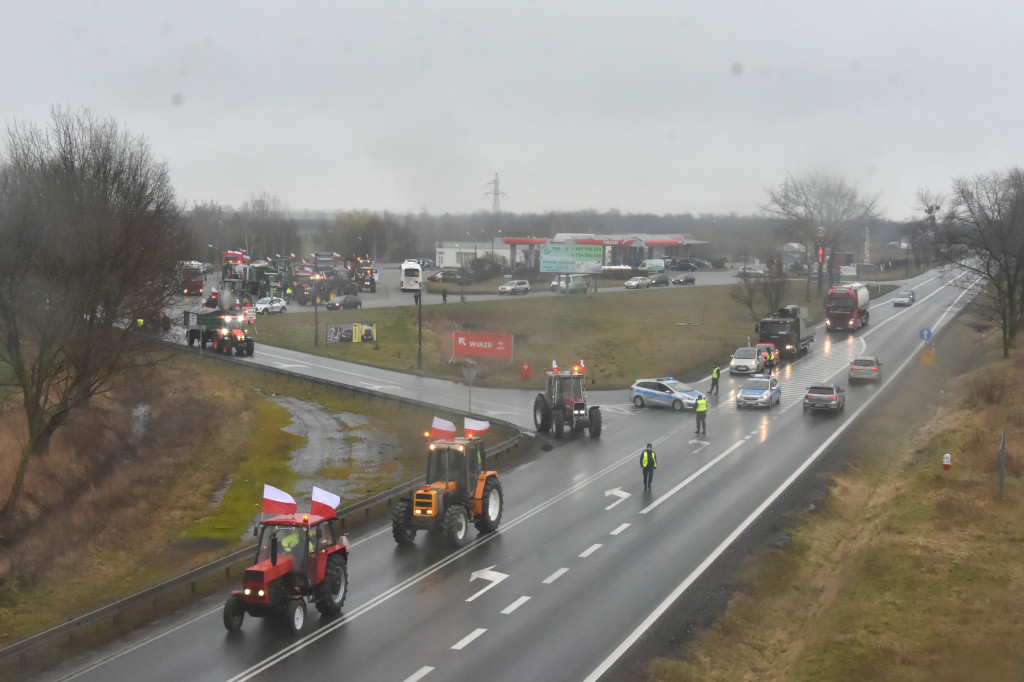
(468, 639)
(618, 492)
(515, 605)
(555, 576)
(619, 529)
(589, 550)
(419, 674)
(486, 574)
(692, 477)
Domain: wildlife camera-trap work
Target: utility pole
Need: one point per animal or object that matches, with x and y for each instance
(496, 195)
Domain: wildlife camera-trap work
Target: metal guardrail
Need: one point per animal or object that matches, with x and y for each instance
(20, 650)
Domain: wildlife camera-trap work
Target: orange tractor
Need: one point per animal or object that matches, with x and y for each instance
(564, 403)
(458, 491)
(301, 558)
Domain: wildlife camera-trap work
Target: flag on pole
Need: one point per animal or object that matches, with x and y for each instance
(554, 366)
(442, 429)
(277, 501)
(474, 428)
(324, 503)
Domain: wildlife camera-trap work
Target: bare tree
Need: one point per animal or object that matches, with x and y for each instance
(822, 209)
(89, 224)
(983, 234)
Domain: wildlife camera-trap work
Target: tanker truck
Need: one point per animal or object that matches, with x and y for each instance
(846, 307)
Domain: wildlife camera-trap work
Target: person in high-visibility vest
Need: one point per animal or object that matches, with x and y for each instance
(648, 463)
(702, 413)
(714, 379)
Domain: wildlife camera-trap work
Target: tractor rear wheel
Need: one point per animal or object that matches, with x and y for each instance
(558, 423)
(234, 613)
(332, 591)
(401, 523)
(541, 414)
(491, 505)
(249, 346)
(456, 524)
(595, 422)
(296, 614)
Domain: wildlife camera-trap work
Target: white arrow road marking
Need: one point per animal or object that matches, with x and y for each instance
(622, 495)
(703, 444)
(486, 574)
(468, 639)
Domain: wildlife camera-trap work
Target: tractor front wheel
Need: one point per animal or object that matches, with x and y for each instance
(558, 423)
(541, 414)
(249, 346)
(401, 523)
(234, 613)
(456, 524)
(296, 614)
(491, 505)
(332, 591)
(595, 422)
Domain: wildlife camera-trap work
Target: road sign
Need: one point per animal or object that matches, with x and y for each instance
(478, 344)
(926, 334)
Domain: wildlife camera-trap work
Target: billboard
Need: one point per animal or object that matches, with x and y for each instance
(576, 258)
(481, 345)
(351, 332)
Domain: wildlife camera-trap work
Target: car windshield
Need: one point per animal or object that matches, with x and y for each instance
(820, 390)
(756, 385)
(745, 353)
(864, 362)
(902, 294)
(263, 301)
(679, 387)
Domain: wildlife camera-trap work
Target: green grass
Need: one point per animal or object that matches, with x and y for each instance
(621, 335)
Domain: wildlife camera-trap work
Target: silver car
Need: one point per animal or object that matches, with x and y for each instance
(514, 286)
(746, 360)
(866, 369)
(903, 298)
(270, 305)
(664, 392)
(638, 283)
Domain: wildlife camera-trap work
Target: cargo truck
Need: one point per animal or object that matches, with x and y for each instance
(790, 329)
(846, 307)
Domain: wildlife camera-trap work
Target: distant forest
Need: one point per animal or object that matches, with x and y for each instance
(264, 231)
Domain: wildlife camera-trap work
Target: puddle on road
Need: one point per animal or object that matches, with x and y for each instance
(344, 452)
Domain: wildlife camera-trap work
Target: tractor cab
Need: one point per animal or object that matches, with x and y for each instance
(453, 465)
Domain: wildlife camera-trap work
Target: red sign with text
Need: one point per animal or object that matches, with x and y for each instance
(480, 345)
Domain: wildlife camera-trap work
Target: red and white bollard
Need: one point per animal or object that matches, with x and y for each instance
(946, 461)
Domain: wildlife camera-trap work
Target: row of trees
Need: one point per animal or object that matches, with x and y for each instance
(93, 233)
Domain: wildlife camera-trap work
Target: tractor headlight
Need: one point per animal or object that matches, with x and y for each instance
(247, 592)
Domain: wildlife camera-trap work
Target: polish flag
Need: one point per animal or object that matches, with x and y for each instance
(324, 503)
(277, 501)
(554, 366)
(442, 429)
(474, 428)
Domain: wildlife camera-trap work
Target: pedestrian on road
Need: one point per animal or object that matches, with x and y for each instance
(714, 379)
(444, 295)
(702, 413)
(648, 463)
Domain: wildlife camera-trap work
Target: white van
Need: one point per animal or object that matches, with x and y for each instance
(653, 265)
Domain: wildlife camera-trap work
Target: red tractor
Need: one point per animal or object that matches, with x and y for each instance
(564, 403)
(301, 559)
(458, 492)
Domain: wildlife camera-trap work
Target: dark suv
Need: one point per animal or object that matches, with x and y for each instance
(659, 279)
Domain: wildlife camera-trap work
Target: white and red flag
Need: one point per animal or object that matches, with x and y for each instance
(277, 501)
(554, 366)
(475, 428)
(442, 429)
(324, 503)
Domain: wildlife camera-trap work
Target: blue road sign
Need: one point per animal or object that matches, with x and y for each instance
(926, 334)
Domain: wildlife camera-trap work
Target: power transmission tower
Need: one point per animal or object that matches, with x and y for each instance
(496, 195)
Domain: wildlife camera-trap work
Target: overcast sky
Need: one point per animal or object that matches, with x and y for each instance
(659, 106)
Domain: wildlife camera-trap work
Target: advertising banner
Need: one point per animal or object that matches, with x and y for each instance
(576, 258)
(351, 332)
(480, 345)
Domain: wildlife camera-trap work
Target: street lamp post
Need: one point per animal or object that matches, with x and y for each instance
(316, 317)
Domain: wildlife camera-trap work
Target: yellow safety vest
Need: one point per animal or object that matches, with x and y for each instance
(714, 372)
(654, 459)
(702, 405)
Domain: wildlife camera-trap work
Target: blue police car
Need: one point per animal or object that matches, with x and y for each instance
(664, 392)
(759, 390)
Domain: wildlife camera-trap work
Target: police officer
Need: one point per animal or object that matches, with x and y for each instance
(714, 379)
(648, 463)
(702, 413)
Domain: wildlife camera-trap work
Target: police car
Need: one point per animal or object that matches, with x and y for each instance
(664, 392)
(759, 390)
